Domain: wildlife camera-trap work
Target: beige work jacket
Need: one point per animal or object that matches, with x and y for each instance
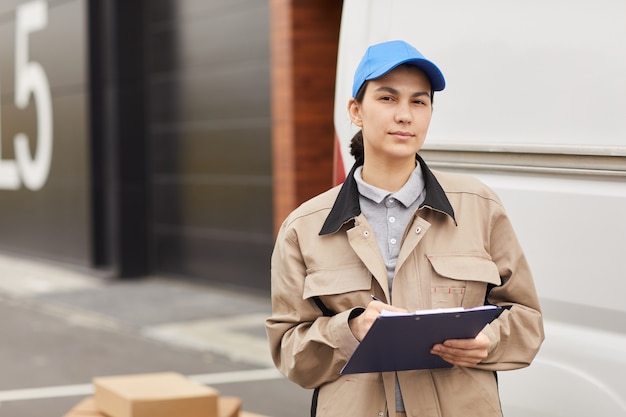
(459, 250)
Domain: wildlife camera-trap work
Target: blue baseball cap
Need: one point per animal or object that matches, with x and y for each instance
(381, 58)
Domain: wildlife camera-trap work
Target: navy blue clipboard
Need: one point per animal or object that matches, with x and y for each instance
(403, 342)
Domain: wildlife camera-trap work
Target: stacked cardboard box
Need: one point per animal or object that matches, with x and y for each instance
(156, 395)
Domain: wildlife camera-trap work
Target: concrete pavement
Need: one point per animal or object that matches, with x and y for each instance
(61, 326)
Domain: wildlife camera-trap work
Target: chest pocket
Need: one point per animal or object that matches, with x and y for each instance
(461, 280)
(338, 288)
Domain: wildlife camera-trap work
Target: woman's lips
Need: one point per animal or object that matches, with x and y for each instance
(401, 135)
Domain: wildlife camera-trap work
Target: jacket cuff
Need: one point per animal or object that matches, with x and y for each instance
(346, 341)
(493, 337)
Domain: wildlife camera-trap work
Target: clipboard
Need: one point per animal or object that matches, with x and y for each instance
(402, 341)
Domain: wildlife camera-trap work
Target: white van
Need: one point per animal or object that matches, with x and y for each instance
(535, 106)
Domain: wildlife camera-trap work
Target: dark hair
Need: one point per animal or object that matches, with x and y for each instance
(356, 143)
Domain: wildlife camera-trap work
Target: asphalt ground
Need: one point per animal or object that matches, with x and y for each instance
(60, 327)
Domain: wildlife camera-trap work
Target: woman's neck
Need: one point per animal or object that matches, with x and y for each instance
(388, 175)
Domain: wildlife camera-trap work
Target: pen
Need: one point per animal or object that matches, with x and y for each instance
(375, 298)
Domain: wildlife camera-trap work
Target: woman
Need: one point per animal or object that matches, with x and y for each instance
(413, 238)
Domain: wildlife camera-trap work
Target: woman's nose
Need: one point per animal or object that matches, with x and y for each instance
(403, 114)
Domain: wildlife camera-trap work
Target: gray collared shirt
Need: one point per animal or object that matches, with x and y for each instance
(389, 213)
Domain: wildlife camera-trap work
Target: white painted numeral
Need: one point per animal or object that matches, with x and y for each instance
(30, 79)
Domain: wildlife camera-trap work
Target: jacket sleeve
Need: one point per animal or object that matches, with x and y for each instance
(517, 334)
(306, 346)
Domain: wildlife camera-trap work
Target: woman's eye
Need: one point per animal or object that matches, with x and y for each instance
(386, 98)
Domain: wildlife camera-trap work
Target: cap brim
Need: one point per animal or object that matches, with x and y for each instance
(437, 81)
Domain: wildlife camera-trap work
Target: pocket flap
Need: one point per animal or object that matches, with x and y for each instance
(466, 268)
(337, 281)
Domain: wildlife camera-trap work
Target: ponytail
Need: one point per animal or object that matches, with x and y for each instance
(356, 146)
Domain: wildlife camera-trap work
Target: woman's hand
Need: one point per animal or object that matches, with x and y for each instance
(362, 323)
(463, 352)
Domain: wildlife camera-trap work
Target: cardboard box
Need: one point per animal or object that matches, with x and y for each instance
(226, 407)
(229, 406)
(85, 408)
(154, 395)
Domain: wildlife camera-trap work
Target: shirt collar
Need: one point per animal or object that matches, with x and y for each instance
(347, 206)
(407, 195)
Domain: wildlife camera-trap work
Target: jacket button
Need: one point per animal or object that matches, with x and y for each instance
(418, 230)
(381, 414)
(366, 233)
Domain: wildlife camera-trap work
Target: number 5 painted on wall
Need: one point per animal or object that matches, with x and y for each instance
(30, 78)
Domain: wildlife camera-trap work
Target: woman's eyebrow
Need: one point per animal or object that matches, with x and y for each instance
(387, 89)
(392, 90)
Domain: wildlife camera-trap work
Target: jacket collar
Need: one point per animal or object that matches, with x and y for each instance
(347, 205)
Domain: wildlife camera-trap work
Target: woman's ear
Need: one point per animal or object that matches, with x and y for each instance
(354, 110)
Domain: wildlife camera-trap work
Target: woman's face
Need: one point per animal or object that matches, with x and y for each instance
(394, 114)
